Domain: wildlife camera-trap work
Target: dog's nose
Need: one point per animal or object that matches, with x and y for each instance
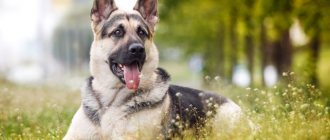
(136, 49)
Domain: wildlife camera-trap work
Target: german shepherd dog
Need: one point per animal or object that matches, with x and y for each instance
(127, 95)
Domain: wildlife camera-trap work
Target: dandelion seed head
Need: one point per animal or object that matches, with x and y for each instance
(208, 113)
(207, 77)
(217, 78)
(284, 74)
(177, 117)
(172, 121)
(294, 93)
(304, 106)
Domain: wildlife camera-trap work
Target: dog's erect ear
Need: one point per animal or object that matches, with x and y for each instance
(102, 9)
(148, 10)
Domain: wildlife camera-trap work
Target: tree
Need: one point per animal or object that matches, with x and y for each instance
(311, 14)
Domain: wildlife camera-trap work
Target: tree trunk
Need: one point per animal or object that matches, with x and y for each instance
(283, 53)
(314, 50)
(266, 52)
(315, 46)
(250, 56)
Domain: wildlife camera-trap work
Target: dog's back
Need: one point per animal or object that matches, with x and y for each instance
(194, 110)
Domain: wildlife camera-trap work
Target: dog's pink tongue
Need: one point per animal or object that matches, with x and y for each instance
(131, 76)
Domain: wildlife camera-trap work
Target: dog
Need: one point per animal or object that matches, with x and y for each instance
(127, 95)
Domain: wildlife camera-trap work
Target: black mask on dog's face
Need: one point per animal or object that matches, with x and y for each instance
(127, 62)
(128, 33)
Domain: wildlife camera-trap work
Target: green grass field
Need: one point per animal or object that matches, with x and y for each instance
(289, 111)
(35, 113)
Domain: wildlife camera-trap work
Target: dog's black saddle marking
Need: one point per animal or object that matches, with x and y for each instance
(189, 107)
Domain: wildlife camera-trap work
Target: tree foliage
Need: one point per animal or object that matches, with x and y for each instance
(252, 32)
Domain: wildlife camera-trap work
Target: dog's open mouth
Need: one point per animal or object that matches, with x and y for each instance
(129, 74)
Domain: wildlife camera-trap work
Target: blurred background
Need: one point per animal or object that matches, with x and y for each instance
(244, 43)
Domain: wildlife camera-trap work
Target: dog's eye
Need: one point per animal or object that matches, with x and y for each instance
(118, 33)
(141, 32)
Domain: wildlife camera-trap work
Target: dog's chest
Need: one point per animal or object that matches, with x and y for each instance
(117, 124)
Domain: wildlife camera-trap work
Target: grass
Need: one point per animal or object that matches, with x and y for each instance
(290, 110)
(35, 113)
(293, 110)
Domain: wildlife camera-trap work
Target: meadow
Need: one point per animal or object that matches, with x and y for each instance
(35, 113)
(293, 110)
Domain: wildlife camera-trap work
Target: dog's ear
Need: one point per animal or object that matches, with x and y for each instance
(148, 10)
(102, 9)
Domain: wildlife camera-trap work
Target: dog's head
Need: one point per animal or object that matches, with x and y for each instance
(123, 51)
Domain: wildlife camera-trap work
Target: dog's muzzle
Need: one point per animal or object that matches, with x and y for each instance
(127, 64)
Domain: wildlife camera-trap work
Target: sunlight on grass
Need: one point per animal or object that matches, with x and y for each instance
(31, 113)
(294, 110)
